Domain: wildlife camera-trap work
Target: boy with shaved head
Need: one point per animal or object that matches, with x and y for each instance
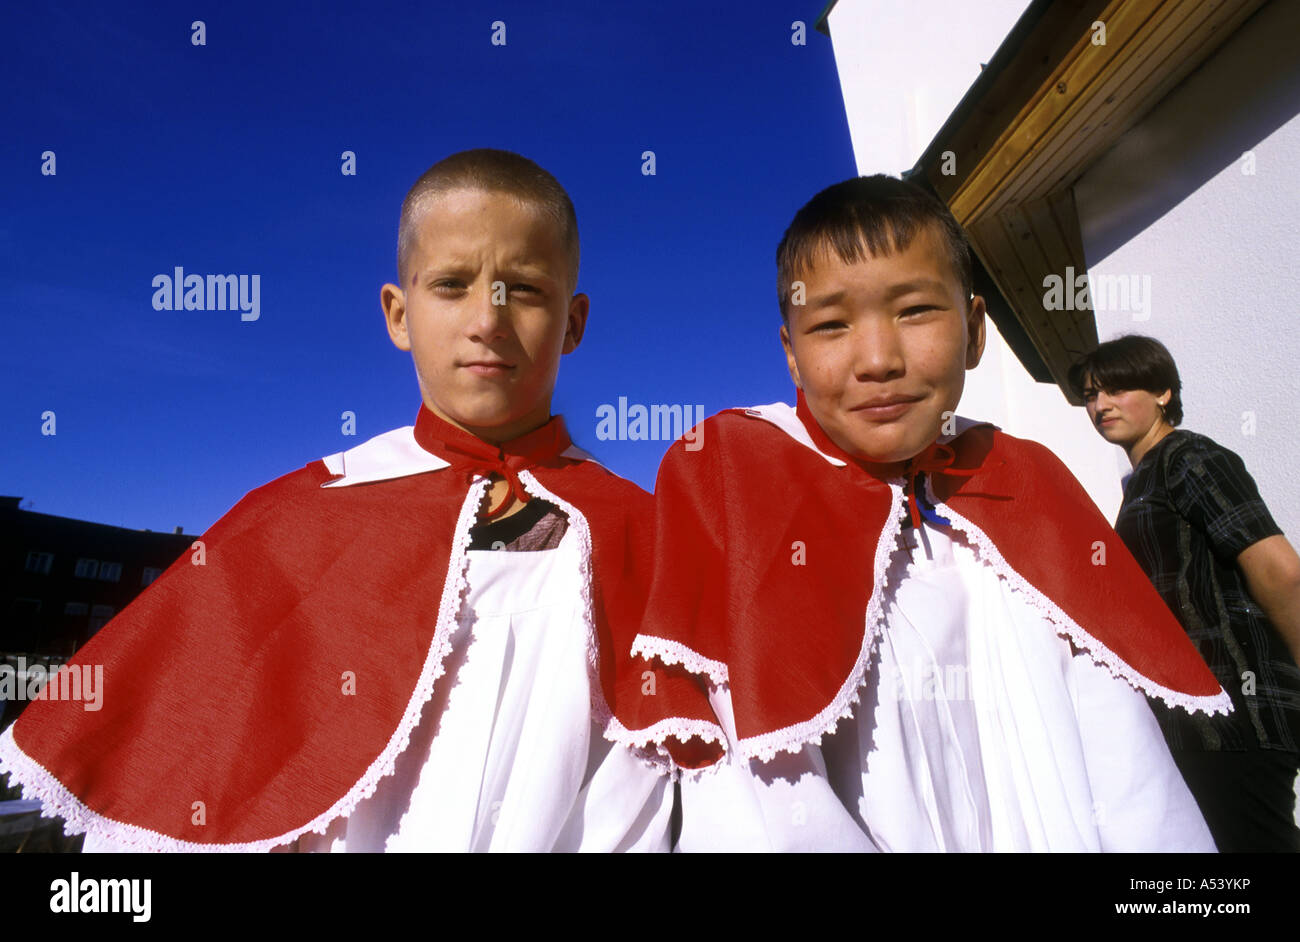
(918, 632)
(414, 644)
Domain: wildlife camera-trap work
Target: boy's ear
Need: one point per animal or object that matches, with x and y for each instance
(975, 332)
(579, 308)
(790, 363)
(393, 301)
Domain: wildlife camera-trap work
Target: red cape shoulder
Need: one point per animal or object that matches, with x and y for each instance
(268, 679)
(761, 540)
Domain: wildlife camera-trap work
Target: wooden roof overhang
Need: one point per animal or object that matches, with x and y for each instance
(1047, 106)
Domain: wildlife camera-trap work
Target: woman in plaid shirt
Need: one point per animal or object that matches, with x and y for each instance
(1196, 522)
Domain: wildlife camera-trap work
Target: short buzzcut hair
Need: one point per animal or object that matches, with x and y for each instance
(494, 171)
(879, 214)
(1131, 362)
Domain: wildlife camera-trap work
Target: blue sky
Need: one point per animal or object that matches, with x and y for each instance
(225, 158)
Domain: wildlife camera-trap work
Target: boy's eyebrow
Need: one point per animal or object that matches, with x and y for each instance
(920, 284)
(460, 267)
(827, 300)
(447, 264)
(895, 291)
(530, 270)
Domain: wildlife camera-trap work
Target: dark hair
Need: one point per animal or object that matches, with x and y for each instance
(879, 213)
(496, 171)
(1131, 362)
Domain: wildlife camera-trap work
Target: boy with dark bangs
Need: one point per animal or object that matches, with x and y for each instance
(918, 632)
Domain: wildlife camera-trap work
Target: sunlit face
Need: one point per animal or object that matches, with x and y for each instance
(881, 347)
(1126, 416)
(487, 311)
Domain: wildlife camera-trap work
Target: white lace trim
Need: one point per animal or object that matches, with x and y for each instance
(600, 712)
(56, 800)
(648, 744)
(1101, 655)
(793, 738)
(38, 783)
(674, 652)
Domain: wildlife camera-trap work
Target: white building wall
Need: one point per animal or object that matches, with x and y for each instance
(903, 68)
(1221, 248)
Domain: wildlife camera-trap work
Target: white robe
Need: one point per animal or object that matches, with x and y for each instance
(977, 730)
(508, 755)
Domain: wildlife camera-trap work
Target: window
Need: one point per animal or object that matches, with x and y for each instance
(86, 568)
(39, 562)
(110, 572)
(75, 608)
(150, 574)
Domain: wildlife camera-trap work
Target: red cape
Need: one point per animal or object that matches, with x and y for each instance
(793, 642)
(224, 683)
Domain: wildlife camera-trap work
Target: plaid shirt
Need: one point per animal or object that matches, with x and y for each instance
(1190, 507)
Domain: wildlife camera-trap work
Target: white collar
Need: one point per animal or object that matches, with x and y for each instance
(785, 417)
(396, 454)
